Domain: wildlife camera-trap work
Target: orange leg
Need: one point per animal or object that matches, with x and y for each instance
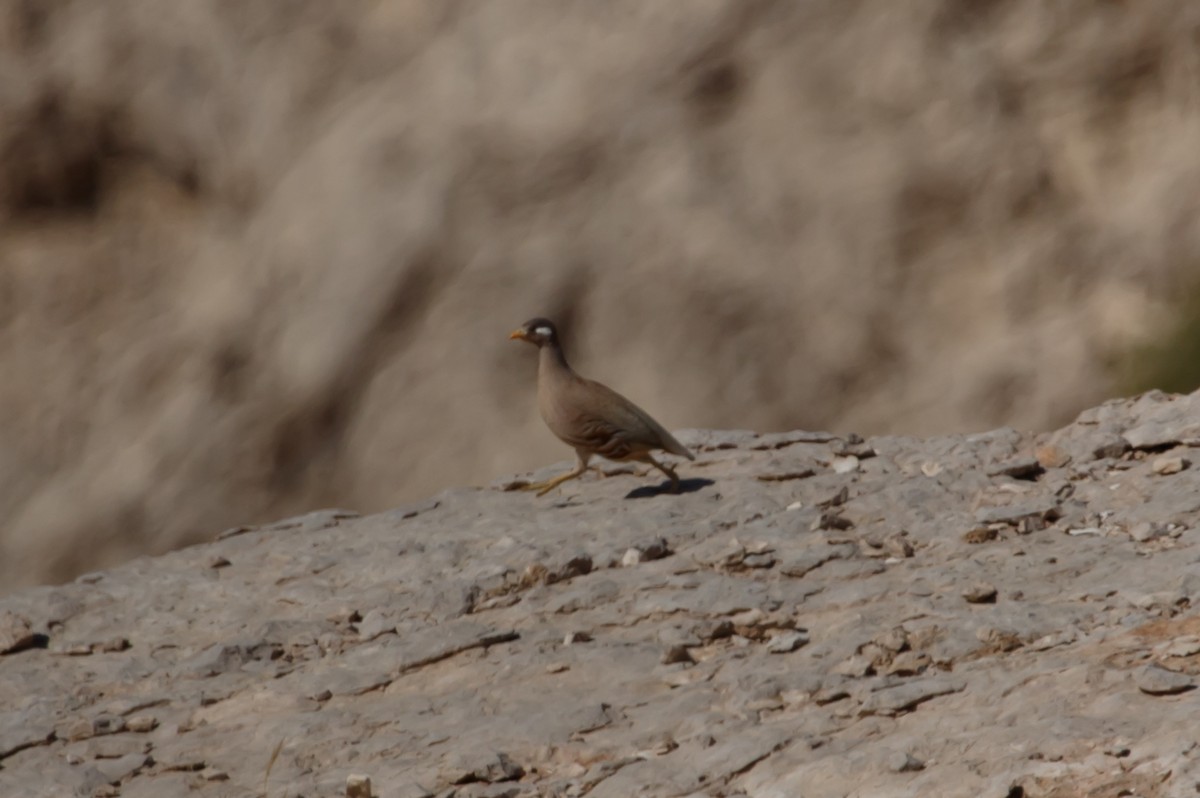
(543, 488)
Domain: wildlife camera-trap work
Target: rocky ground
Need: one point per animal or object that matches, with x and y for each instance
(1000, 614)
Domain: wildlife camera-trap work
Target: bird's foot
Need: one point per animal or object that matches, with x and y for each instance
(540, 487)
(543, 488)
(671, 475)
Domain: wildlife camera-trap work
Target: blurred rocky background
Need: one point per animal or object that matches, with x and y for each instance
(261, 256)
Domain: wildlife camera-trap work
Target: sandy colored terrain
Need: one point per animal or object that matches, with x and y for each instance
(261, 256)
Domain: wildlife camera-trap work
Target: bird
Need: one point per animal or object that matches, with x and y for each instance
(589, 417)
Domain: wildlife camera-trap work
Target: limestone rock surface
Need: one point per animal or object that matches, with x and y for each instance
(487, 643)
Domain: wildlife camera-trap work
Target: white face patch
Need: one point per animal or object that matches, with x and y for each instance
(542, 331)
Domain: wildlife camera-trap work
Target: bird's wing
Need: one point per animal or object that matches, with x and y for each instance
(603, 411)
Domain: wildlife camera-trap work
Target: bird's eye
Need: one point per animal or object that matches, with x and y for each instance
(543, 331)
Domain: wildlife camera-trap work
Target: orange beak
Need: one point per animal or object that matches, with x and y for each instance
(517, 335)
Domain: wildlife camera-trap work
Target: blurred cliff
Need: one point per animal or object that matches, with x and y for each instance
(260, 256)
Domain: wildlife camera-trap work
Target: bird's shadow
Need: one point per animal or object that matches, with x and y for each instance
(685, 486)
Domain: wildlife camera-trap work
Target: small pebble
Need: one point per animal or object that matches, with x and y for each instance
(1145, 531)
(214, 774)
(1157, 680)
(1164, 466)
(980, 593)
(787, 642)
(677, 654)
(899, 547)
(980, 534)
(375, 623)
(1119, 750)
(142, 724)
(844, 465)
(79, 729)
(709, 631)
(893, 640)
(1111, 449)
(1051, 456)
(903, 762)
(909, 663)
(358, 786)
(16, 633)
(855, 666)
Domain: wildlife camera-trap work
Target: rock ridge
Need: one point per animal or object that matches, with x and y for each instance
(996, 614)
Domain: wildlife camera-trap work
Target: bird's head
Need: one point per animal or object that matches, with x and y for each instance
(537, 331)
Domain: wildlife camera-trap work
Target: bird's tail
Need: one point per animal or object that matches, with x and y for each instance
(678, 448)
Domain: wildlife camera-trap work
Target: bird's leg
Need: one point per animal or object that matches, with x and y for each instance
(545, 487)
(666, 469)
(550, 485)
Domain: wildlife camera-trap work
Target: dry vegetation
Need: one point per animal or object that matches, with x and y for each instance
(261, 255)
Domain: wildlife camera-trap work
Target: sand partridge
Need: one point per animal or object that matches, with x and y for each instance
(589, 417)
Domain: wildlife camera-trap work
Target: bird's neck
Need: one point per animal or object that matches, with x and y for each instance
(552, 361)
